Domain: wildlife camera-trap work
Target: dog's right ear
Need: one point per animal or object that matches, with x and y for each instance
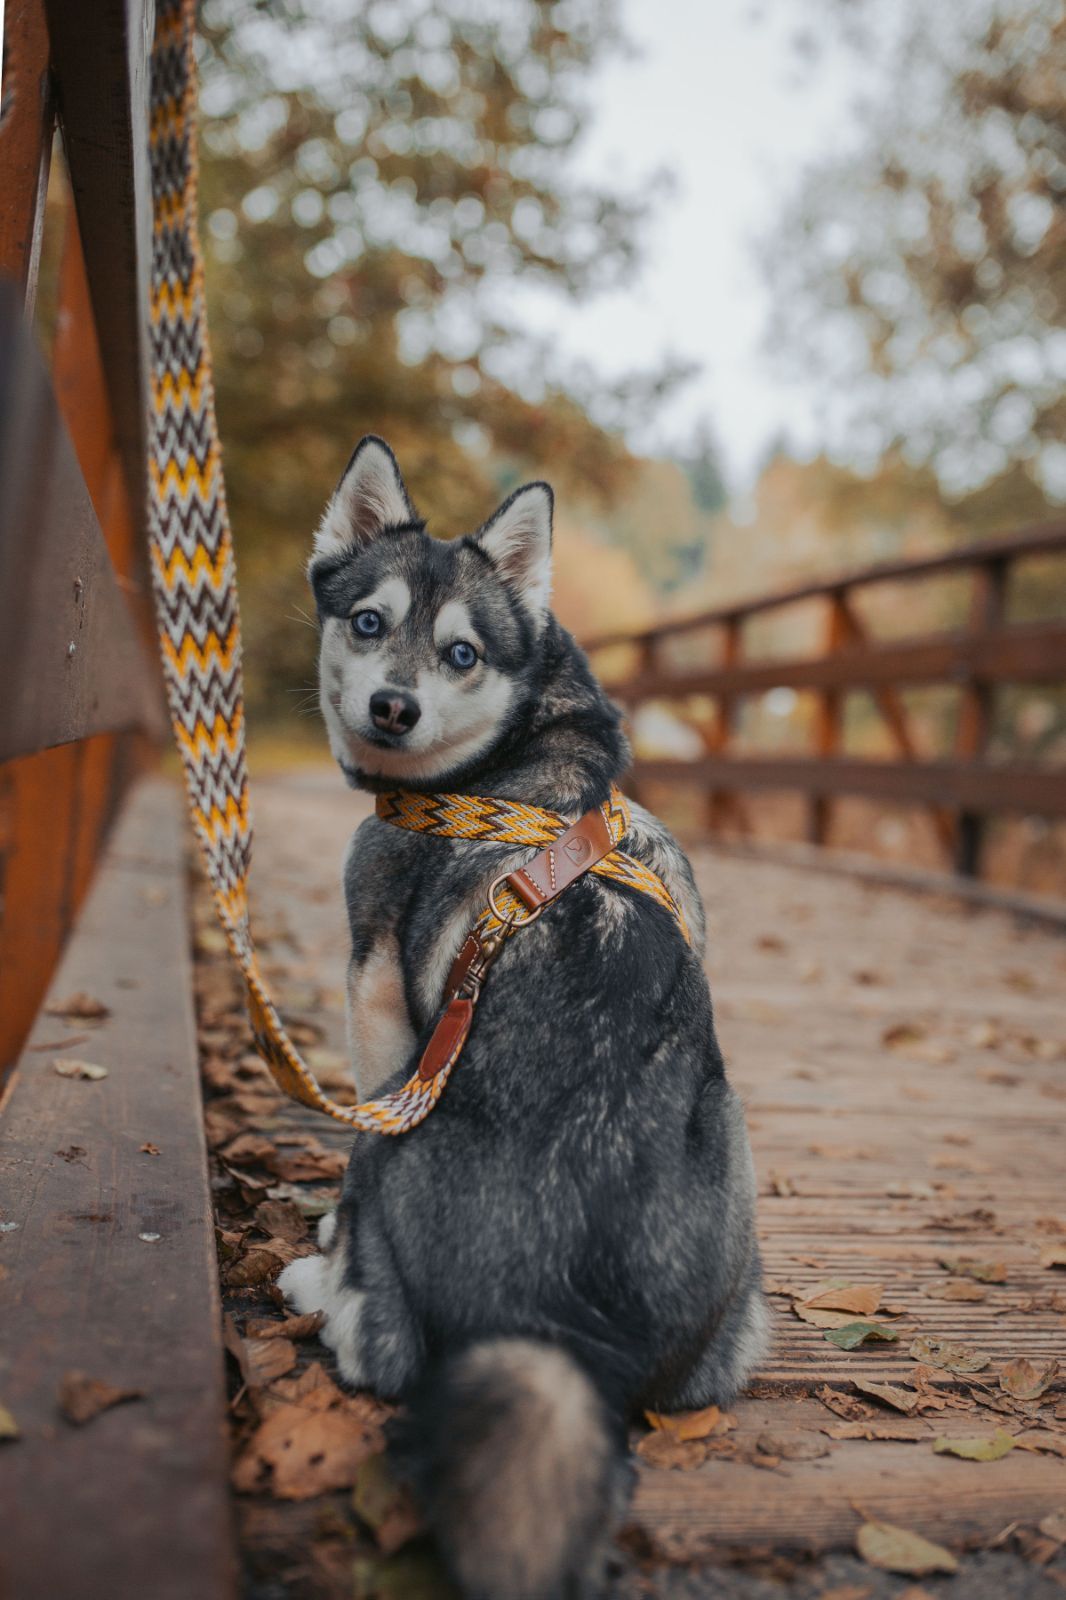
(370, 497)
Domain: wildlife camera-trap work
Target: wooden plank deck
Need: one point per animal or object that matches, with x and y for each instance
(107, 1258)
(903, 1059)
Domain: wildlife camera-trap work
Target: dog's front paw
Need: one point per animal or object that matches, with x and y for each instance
(303, 1283)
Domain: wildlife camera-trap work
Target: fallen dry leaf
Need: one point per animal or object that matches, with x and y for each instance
(69, 1068)
(304, 1326)
(905, 1400)
(9, 1428)
(82, 1398)
(907, 1430)
(892, 1549)
(801, 1446)
(862, 1299)
(150, 1149)
(842, 1405)
(1028, 1380)
(385, 1505)
(81, 1006)
(1042, 1439)
(981, 1271)
(686, 1424)
(1053, 1526)
(946, 1355)
(267, 1359)
(1053, 1255)
(670, 1453)
(282, 1219)
(957, 1289)
(297, 1453)
(822, 1319)
(912, 1039)
(993, 1449)
(854, 1334)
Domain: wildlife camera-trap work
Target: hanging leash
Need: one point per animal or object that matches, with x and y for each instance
(195, 587)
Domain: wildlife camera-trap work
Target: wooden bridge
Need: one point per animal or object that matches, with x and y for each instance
(902, 1049)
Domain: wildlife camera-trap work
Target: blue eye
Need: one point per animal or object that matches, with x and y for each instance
(462, 655)
(367, 624)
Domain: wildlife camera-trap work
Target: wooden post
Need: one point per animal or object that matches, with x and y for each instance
(976, 708)
(829, 720)
(647, 658)
(722, 802)
(25, 144)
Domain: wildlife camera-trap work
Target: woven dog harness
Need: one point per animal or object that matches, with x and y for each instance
(514, 899)
(195, 588)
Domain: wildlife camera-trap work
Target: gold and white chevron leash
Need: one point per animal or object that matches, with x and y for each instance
(195, 586)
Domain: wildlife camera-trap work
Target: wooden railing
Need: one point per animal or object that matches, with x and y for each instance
(960, 787)
(77, 667)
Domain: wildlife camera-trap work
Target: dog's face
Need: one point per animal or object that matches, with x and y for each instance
(426, 646)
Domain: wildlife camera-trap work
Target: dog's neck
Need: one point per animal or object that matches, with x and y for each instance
(562, 747)
(565, 747)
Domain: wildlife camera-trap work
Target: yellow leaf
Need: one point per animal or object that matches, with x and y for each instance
(862, 1299)
(686, 1424)
(881, 1544)
(976, 1449)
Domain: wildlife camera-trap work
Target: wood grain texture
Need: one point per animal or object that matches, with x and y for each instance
(25, 144)
(895, 1160)
(135, 1503)
(68, 646)
(100, 64)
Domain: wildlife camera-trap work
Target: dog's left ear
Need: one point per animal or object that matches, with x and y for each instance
(370, 497)
(518, 540)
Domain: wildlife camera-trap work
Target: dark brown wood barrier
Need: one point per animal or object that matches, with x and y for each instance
(76, 659)
(960, 787)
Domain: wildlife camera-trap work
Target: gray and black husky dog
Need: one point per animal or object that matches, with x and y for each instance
(569, 1235)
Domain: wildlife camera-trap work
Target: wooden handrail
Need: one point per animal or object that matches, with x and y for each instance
(1046, 538)
(959, 788)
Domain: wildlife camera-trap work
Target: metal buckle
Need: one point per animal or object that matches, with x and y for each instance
(509, 922)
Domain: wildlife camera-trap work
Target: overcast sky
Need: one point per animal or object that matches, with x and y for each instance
(716, 93)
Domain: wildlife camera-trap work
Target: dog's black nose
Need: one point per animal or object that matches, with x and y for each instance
(394, 711)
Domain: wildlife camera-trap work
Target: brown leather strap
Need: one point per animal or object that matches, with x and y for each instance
(551, 870)
(562, 862)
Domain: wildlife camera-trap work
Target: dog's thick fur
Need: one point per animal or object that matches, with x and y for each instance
(569, 1235)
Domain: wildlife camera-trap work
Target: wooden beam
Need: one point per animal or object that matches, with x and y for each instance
(69, 650)
(987, 609)
(25, 144)
(1047, 538)
(110, 1269)
(100, 66)
(1024, 788)
(1022, 653)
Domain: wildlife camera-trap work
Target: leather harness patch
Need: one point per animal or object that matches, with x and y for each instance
(462, 964)
(556, 867)
(447, 1038)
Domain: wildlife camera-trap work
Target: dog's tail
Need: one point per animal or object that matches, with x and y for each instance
(520, 1466)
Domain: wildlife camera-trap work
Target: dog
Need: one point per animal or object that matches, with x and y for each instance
(569, 1237)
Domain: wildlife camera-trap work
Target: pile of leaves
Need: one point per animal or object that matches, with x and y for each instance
(318, 1507)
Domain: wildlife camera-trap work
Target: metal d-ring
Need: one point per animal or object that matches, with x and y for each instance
(501, 916)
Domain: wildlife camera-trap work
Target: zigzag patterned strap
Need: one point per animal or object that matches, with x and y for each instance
(193, 570)
(195, 587)
(469, 816)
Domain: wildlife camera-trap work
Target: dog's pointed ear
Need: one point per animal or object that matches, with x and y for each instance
(370, 496)
(518, 541)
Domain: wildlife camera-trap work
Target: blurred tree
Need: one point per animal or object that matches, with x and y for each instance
(923, 277)
(374, 177)
(704, 470)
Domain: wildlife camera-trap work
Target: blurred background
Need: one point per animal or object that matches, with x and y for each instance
(768, 289)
